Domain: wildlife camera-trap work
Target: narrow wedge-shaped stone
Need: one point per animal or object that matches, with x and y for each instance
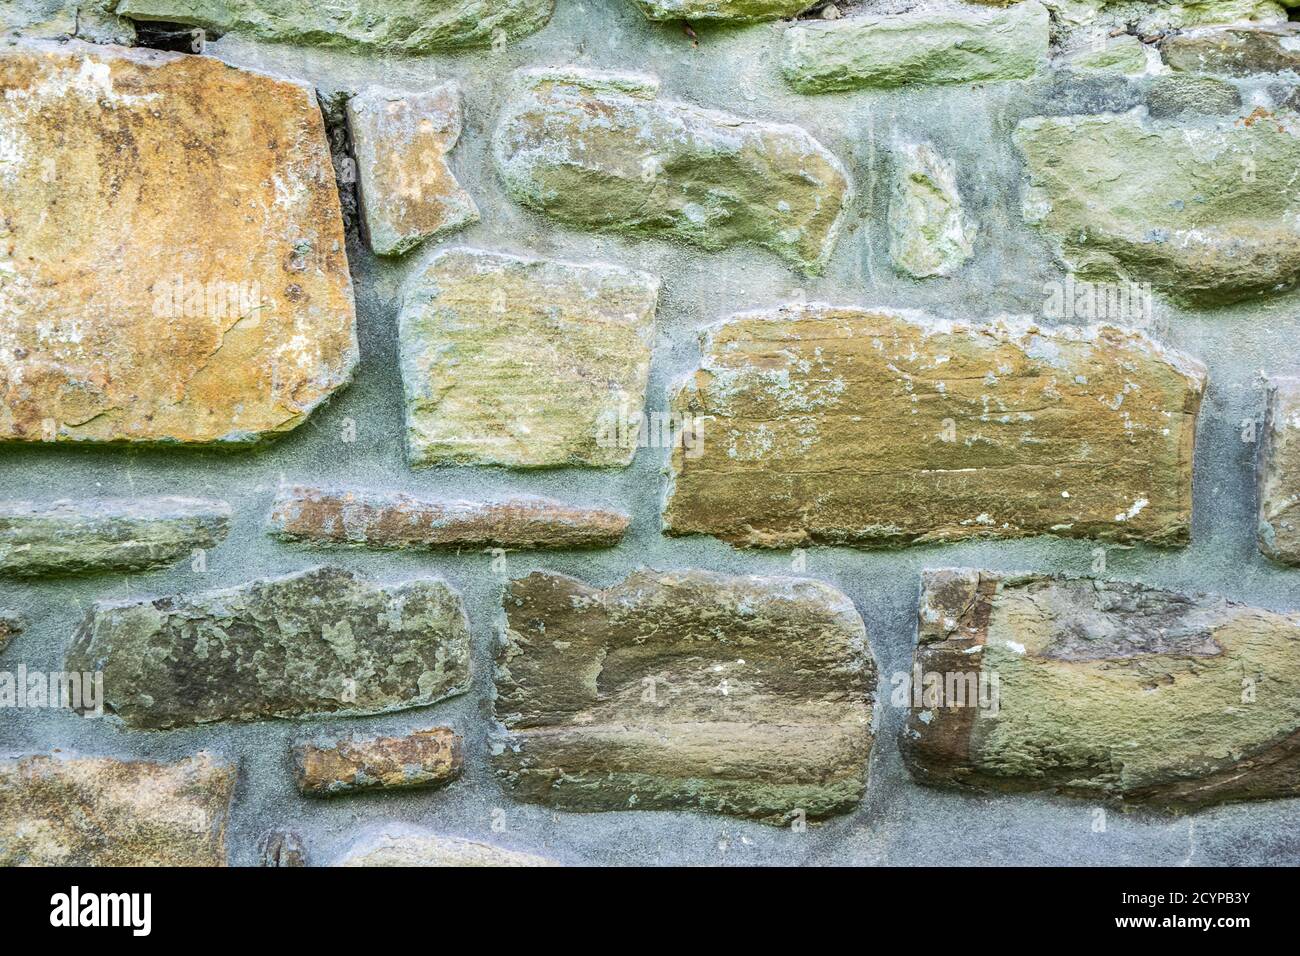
(311, 644)
(426, 758)
(685, 690)
(523, 362)
(162, 278)
(848, 426)
(70, 537)
(394, 520)
(600, 150)
(1102, 689)
(401, 846)
(964, 44)
(1279, 473)
(100, 811)
(1204, 213)
(401, 142)
(391, 26)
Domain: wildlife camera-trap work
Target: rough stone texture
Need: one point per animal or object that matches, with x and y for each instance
(405, 847)
(685, 690)
(518, 362)
(392, 26)
(1107, 689)
(1080, 20)
(89, 20)
(310, 644)
(10, 627)
(1121, 54)
(395, 520)
(1203, 213)
(599, 150)
(955, 44)
(733, 11)
(401, 141)
(281, 848)
(125, 174)
(99, 811)
(425, 758)
(69, 537)
(1182, 94)
(929, 233)
(846, 426)
(1234, 51)
(1279, 473)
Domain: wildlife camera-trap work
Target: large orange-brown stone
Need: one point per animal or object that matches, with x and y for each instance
(172, 264)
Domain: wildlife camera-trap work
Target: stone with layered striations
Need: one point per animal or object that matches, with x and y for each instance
(425, 758)
(1234, 50)
(401, 142)
(402, 846)
(317, 643)
(685, 690)
(66, 810)
(1202, 212)
(600, 150)
(868, 428)
(1279, 473)
(524, 362)
(393, 520)
(161, 280)
(393, 26)
(731, 11)
(929, 232)
(940, 45)
(1102, 689)
(72, 537)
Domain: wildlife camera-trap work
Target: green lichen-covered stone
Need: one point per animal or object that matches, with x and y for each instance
(734, 11)
(1077, 19)
(599, 150)
(929, 46)
(311, 644)
(1204, 213)
(929, 232)
(1234, 51)
(1181, 94)
(397, 26)
(1279, 473)
(1103, 689)
(128, 535)
(685, 690)
(1122, 54)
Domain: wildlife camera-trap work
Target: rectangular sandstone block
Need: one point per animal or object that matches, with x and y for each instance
(426, 758)
(64, 810)
(868, 428)
(320, 642)
(523, 362)
(685, 690)
(396, 520)
(1279, 473)
(1102, 689)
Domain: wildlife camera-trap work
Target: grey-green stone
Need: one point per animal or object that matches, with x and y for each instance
(1235, 50)
(1184, 94)
(733, 11)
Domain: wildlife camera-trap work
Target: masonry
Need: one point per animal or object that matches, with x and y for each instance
(314, 326)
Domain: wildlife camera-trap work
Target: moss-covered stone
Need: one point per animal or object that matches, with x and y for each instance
(599, 150)
(733, 11)
(1203, 213)
(1103, 689)
(1122, 54)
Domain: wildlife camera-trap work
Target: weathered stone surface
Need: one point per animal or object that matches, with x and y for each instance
(281, 848)
(1279, 473)
(11, 625)
(70, 537)
(87, 20)
(929, 233)
(401, 142)
(961, 44)
(1182, 94)
(848, 426)
(407, 847)
(685, 690)
(394, 520)
(161, 280)
(1078, 21)
(1203, 213)
(1105, 689)
(517, 362)
(1234, 51)
(734, 11)
(319, 642)
(393, 26)
(426, 758)
(599, 150)
(1121, 54)
(99, 811)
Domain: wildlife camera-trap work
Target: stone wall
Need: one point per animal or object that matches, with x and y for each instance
(649, 431)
